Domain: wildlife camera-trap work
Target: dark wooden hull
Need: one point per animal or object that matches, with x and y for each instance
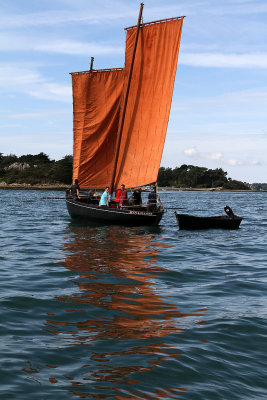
(112, 215)
(186, 221)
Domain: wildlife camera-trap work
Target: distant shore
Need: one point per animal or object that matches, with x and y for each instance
(23, 186)
(62, 187)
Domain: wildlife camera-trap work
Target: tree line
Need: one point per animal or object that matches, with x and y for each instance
(35, 169)
(191, 176)
(40, 169)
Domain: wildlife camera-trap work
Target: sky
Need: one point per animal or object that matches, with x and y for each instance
(219, 109)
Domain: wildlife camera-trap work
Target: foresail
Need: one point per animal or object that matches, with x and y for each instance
(96, 101)
(149, 101)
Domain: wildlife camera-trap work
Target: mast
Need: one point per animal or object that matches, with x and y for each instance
(121, 122)
(91, 64)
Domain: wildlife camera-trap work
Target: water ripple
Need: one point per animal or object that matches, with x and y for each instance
(99, 312)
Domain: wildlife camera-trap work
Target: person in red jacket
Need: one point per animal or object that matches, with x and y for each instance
(118, 196)
(121, 197)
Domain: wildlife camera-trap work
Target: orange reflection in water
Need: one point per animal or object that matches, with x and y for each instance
(115, 286)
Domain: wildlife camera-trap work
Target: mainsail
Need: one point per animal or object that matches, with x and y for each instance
(149, 101)
(97, 98)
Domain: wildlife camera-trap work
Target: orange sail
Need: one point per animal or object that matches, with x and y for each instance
(96, 101)
(149, 100)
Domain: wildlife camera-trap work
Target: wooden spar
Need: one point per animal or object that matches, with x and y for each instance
(122, 117)
(96, 70)
(92, 63)
(155, 22)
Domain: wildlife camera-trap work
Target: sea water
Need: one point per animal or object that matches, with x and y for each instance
(112, 312)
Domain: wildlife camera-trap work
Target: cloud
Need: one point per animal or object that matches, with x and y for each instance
(192, 152)
(199, 156)
(9, 126)
(78, 48)
(48, 44)
(240, 163)
(101, 14)
(235, 163)
(51, 91)
(39, 114)
(213, 156)
(48, 19)
(208, 59)
(222, 60)
(26, 79)
(256, 162)
(12, 43)
(238, 7)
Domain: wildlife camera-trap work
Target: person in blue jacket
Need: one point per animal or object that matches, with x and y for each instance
(104, 198)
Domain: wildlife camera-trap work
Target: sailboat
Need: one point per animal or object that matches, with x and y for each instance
(120, 119)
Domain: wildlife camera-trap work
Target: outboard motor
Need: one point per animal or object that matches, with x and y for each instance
(229, 212)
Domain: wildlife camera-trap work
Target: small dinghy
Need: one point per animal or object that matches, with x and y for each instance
(229, 221)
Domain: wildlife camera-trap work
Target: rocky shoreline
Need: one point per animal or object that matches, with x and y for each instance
(62, 187)
(25, 186)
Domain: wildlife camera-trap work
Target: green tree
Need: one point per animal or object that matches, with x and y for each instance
(8, 160)
(236, 185)
(164, 176)
(259, 186)
(40, 158)
(62, 170)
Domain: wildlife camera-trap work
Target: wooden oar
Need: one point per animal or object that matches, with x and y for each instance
(53, 198)
(60, 198)
(174, 208)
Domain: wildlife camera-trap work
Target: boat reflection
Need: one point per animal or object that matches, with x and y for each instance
(115, 319)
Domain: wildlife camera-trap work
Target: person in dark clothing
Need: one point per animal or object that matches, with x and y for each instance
(75, 189)
(137, 197)
(152, 200)
(92, 197)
